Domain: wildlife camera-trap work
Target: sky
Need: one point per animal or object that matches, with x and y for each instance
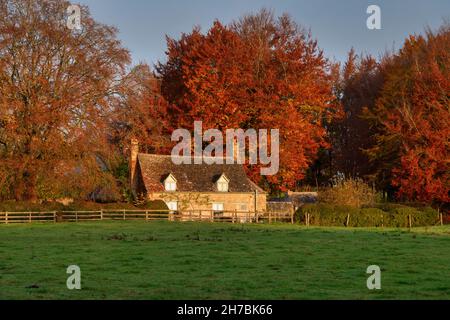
(337, 25)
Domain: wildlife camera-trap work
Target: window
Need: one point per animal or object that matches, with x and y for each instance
(173, 206)
(218, 208)
(222, 183)
(222, 186)
(170, 184)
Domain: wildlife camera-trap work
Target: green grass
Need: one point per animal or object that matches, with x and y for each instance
(163, 260)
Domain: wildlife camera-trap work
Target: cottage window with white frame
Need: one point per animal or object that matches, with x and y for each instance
(218, 208)
(170, 184)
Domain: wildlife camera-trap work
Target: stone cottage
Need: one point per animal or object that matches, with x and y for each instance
(221, 189)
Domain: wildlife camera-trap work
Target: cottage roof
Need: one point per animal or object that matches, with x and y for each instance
(192, 177)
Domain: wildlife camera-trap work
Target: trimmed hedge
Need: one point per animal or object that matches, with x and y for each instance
(382, 216)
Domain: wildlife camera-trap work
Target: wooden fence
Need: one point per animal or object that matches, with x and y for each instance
(145, 215)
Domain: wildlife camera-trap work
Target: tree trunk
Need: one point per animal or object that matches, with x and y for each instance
(28, 191)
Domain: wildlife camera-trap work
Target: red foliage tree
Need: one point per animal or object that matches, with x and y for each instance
(258, 73)
(413, 120)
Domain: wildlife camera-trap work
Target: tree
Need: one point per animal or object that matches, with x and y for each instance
(412, 118)
(139, 111)
(259, 73)
(357, 87)
(55, 91)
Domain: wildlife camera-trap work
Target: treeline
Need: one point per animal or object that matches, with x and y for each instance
(70, 102)
(396, 125)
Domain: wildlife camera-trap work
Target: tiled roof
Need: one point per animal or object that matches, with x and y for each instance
(192, 177)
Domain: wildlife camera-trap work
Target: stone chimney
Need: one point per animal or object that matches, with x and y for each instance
(134, 151)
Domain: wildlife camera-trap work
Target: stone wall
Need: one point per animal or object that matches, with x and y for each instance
(204, 201)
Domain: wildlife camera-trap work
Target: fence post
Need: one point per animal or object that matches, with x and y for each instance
(409, 221)
(441, 218)
(348, 220)
(146, 215)
(101, 214)
(29, 217)
(54, 216)
(212, 216)
(6, 217)
(256, 217)
(124, 215)
(233, 216)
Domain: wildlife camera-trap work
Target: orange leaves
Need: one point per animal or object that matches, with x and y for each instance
(260, 72)
(55, 92)
(414, 108)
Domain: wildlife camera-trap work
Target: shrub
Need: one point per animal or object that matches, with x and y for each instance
(326, 215)
(419, 216)
(393, 216)
(388, 206)
(351, 192)
(368, 217)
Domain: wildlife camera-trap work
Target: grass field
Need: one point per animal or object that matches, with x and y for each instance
(163, 260)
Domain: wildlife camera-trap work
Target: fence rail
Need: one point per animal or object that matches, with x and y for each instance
(145, 215)
(160, 215)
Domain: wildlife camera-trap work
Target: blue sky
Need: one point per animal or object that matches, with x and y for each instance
(337, 25)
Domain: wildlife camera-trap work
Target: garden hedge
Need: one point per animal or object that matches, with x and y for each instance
(392, 215)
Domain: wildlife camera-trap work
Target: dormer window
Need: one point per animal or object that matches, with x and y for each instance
(170, 184)
(222, 186)
(223, 183)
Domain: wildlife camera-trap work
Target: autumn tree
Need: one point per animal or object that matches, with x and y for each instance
(259, 72)
(139, 111)
(55, 90)
(357, 87)
(412, 119)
